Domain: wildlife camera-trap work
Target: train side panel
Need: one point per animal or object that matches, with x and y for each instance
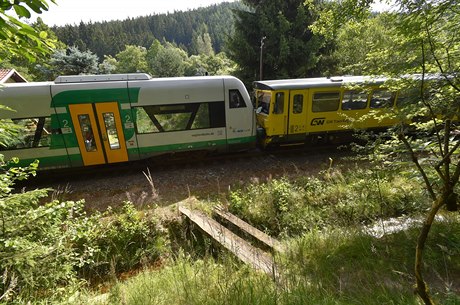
(240, 116)
(304, 110)
(90, 120)
(186, 114)
(96, 121)
(39, 135)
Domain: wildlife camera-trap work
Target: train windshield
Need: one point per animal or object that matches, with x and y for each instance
(263, 102)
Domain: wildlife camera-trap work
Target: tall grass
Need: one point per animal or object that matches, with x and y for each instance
(335, 198)
(341, 266)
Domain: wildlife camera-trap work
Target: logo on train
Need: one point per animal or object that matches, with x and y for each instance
(317, 121)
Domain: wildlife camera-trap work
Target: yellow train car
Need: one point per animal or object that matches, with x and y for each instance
(292, 111)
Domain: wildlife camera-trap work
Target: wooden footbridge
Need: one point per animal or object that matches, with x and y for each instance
(244, 250)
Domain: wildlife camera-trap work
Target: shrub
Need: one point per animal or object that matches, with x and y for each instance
(124, 240)
(290, 208)
(45, 249)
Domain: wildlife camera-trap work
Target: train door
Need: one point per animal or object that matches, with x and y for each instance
(99, 133)
(279, 114)
(297, 112)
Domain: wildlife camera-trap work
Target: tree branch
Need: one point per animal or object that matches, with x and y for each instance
(414, 158)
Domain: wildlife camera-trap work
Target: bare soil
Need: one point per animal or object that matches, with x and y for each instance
(102, 187)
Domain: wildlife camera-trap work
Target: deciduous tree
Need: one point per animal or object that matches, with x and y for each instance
(18, 38)
(132, 59)
(426, 45)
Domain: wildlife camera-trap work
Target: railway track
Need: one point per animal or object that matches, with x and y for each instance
(170, 179)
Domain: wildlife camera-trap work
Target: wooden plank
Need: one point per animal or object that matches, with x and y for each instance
(241, 248)
(246, 227)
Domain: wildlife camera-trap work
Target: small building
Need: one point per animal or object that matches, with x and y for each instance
(11, 76)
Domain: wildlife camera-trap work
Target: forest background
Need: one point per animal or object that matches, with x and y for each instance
(219, 39)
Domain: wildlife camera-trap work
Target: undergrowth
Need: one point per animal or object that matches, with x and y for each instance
(358, 196)
(340, 266)
(49, 252)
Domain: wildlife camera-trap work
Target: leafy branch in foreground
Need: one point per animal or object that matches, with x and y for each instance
(18, 38)
(423, 42)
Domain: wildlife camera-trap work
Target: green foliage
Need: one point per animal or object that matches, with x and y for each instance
(33, 71)
(184, 281)
(36, 241)
(354, 267)
(169, 61)
(339, 266)
(73, 62)
(218, 64)
(201, 42)
(131, 60)
(124, 240)
(336, 199)
(108, 66)
(290, 49)
(46, 248)
(18, 38)
(70, 61)
(109, 38)
(357, 43)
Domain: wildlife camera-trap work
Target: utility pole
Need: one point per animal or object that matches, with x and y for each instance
(261, 57)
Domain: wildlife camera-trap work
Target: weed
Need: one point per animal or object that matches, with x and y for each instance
(290, 208)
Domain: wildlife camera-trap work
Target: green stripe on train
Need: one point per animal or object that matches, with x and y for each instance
(121, 95)
(76, 159)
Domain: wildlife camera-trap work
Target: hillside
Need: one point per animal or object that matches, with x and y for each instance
(109, 38)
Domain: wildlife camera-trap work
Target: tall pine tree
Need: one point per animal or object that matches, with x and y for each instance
(290, 49)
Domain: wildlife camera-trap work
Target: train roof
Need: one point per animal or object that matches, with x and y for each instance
(303, 83)
(116, 78)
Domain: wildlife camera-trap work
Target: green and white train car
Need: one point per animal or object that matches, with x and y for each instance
(90, 120)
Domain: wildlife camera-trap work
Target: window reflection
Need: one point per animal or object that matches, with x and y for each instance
(111, 128)
(87, 132)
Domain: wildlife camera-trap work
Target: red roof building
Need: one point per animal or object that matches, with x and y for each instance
(11, 76)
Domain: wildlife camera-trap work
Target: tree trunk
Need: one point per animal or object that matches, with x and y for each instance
(421, 287)
(451, 203)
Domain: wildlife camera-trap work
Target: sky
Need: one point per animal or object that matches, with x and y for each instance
(74, 11)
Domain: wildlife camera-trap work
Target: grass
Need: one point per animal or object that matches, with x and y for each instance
(286, 208)
(341, 266)
(331, 257)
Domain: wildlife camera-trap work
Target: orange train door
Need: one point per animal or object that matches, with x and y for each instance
(99, 133)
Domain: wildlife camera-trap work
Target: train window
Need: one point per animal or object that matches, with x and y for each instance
(164, 118)
(325, 101)
(263, 102)
(202, 117)
(297, 106)
(87, 131)
(30, 133)
(353, 100)
(143, 122)
(112, 133)
(382, 99)
(236, 99)
(173, 121)
(278, 108)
